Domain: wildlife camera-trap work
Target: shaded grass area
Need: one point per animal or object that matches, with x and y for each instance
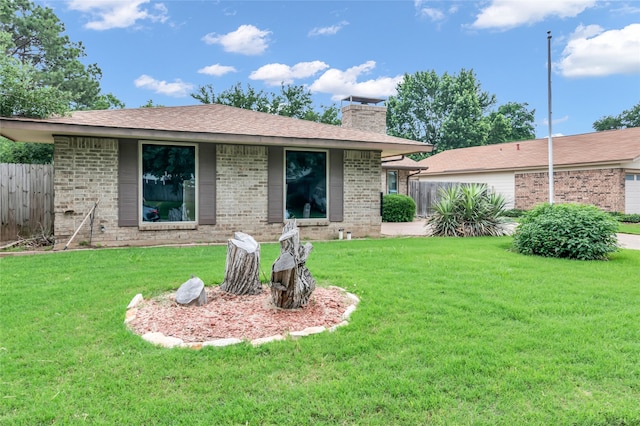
(448, 331)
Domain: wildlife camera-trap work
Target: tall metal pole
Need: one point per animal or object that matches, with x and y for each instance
(549, 118)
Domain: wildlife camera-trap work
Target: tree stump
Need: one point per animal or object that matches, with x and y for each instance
(291, 281)
(242, 271)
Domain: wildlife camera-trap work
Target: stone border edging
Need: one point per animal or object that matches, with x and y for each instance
(159, 339)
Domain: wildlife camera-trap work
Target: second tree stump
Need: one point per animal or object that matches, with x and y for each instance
(291, 281)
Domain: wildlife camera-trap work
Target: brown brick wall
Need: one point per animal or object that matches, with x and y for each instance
(603, 188)
(86, 169)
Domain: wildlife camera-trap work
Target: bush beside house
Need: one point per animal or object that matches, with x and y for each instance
(398, 208)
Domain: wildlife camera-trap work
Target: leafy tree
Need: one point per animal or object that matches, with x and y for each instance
(27, 153)
(452, 111)
(22, 93)
(628, 118)
(150, 104)
(292, 101)
(205, 94)
(512, 122)
(38, 43)
(446, 111)
(41, 74)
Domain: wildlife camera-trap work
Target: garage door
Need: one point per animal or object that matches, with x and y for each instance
(632, 193)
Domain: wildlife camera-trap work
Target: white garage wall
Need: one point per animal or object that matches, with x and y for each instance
(500, 182)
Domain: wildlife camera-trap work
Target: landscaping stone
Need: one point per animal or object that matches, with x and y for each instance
(135, 301)
(222, 342)
(192, 293)
(162, 340)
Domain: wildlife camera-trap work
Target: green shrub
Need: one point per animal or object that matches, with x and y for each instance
(630, 218)
(398, 208)
(570, 231)
(468, 210)
(626, 217)
(513, 213)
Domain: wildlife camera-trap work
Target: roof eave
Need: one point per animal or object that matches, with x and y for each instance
(43, 132)
(612, 163)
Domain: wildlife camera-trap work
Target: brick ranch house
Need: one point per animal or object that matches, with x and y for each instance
(601, 168)
(200, 173)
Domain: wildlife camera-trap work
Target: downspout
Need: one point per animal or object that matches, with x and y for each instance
(411, 175)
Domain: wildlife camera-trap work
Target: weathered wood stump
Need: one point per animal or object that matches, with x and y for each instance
(242, 271)
(291, 281)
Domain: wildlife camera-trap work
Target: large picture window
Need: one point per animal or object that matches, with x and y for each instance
(306, 185)
(168, 183)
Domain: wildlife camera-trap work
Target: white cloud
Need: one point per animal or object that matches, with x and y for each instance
(507, 14)
(331, 30)
(424, 9)
(593, 52)
(216, 70)
(246, 40)
(274, 74)
(107, 14)
(341, 84)
(177, 89)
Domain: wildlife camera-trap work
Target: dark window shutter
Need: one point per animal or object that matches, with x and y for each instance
(275, 192)
(128, 183)
(336, 185)
(207, 184)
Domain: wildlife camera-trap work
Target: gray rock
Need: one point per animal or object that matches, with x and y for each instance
(192, 293)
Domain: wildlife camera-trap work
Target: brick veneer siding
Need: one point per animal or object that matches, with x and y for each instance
(86, 169)
(83, 174)
(365, 117)
(603, 188)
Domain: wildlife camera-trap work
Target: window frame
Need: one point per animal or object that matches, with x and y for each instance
(397, 174)
(191, 224)
(302, 220)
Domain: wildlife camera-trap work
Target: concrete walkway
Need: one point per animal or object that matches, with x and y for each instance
(417, 228)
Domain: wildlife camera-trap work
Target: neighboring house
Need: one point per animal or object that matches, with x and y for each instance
(396, 173)
(601, 168)
(200, 173)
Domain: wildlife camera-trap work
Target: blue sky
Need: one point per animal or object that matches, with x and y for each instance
(164, 50)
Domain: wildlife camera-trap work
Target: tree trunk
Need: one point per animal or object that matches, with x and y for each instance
(242, 271)
(291, 281)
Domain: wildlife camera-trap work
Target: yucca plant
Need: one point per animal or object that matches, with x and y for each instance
(467, 210)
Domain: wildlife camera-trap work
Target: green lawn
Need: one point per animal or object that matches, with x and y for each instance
(448, 332)
(629, 228)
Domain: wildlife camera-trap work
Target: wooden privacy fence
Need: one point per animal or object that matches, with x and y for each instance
(425, 194)
(26, 200)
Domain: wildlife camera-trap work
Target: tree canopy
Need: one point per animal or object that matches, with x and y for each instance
(452, 111)
(41, 74)
(627, 118)
(38, 44)
(292, 101)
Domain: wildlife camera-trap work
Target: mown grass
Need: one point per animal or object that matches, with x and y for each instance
(448, 331)
(629, 228)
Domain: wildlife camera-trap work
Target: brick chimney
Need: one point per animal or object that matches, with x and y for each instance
(364, 114)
